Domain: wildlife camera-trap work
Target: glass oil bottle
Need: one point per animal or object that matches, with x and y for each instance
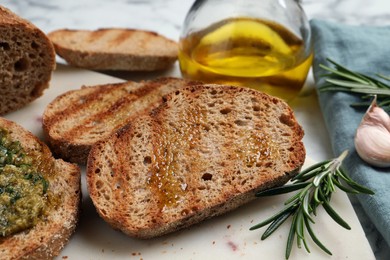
(269, 50)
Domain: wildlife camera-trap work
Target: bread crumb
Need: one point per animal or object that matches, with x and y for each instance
(229, 226)
(65, 257)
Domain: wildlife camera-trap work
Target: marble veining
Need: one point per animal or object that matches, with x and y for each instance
(166, 17)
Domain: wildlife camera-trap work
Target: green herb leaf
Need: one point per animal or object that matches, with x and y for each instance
(273, 218)
(314, 187)
(343, 79)
(276, 223)
(291, 236)
(333, 214)
(315, 239)
(281, 190)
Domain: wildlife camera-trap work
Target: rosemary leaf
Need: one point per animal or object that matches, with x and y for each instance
(377, 91)
(345, 74)
(349, 72)
(281, 190)
(274, 217)
(343, 79)
(383, 76)
(343, 188)
(299, 225)
(276, 223)
(318, 178)
(353, 184)
(306, 206)
(291, 236)
(330, 183)
(293, 199)
(350, 85)
(309, 169)
(314, 187)
(315, 239)
(332, 213)
(316, 198)
(384, 103)
(306, 246)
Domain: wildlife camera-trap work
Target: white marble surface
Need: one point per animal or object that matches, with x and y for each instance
(166, 17)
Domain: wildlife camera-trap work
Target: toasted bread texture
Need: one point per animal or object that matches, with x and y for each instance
(53, 230)
(204, 151)
(76, 120)
(115, 49)
(27, 61)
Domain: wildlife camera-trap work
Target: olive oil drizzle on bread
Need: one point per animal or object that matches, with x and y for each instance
(204, 151)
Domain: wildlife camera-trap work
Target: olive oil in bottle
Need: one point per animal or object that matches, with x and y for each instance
(248, 52)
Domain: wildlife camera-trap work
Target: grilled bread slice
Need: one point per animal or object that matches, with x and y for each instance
(76, 120)
(54, 225)
(115, 49)
(27, 61)
(206, 150)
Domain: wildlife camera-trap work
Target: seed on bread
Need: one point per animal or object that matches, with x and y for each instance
(27, 61)
(204, 151)
(57, 222)
(115, 49)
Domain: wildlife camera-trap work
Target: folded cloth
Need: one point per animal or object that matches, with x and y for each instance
(364, 49)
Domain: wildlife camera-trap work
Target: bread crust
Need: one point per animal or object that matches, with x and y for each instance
(115, 49)
(77, 119)
(203, 152)
(46, 239)
(28, 59)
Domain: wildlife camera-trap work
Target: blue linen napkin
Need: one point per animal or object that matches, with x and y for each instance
(365, 49)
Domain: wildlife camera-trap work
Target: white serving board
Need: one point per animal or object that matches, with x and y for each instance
(224, 237)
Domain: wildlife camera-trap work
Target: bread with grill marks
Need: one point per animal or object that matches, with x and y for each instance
(206, 150)
(77, 119)
(115, 49)
(53, 229)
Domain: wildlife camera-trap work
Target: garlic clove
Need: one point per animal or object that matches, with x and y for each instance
(372, 139)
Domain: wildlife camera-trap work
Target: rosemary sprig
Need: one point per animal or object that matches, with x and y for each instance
(341, 78)
(316, 185)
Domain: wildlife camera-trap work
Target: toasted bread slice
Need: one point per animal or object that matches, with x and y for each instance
(76, 120)
(27, 61)
(206, 150)
(115, 49)
(51, 232)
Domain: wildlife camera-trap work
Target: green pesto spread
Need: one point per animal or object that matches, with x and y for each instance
(23, 190)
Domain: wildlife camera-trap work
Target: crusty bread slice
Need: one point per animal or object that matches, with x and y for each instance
(115, 49)
(53, 230)
(27, 61)
(206, 150)
(76, 120)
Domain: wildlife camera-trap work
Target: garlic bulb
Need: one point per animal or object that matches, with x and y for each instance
(372, 140)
